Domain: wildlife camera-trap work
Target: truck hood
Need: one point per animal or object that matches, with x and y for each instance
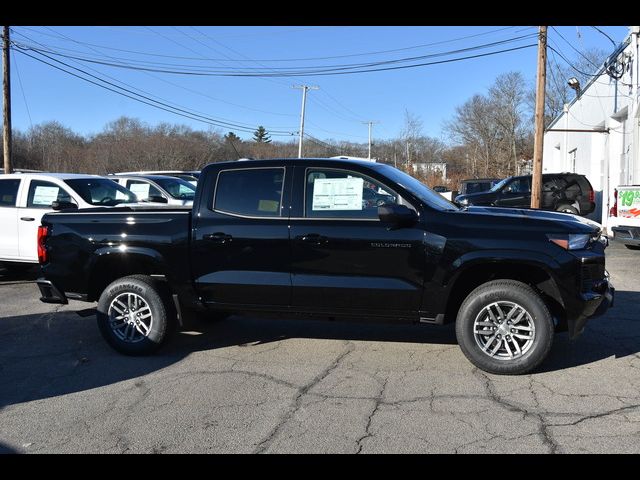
(552, 221)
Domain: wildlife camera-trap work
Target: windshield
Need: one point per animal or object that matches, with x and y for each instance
(101, 191)
(176, 187)
(500, 184)
(420, 190)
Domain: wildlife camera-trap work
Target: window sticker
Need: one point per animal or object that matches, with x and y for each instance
(121, 195)
(337, 194)
(140, 189)
(45, 195)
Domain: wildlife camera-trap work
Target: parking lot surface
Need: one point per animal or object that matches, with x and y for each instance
(282, 386)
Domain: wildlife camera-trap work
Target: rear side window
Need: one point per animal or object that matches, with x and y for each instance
(9, 192)
(252, 192)
(42, 194)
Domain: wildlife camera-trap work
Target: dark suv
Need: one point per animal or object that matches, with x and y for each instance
(561, 192)
(476, 185)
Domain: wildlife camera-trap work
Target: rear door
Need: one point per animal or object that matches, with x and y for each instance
(39, 196)
(9, 243)
(343, 257)
(240, 249)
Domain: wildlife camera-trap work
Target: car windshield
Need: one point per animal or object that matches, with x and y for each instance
(101, 191)
(500, 184)
(420, 190)
(176, 187)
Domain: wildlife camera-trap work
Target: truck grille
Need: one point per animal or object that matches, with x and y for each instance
(590, 273)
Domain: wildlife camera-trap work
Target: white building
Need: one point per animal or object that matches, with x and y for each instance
(430, 168)
(605, 142)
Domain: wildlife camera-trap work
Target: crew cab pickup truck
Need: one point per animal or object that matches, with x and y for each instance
(294, 236)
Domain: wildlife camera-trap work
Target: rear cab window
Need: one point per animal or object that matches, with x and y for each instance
(9, 192)
(254, 192)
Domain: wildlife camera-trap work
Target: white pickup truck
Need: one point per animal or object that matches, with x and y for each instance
(624, 216)
(26, 197)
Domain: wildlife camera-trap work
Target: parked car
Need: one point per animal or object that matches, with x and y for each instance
(561, 192)
(476, 185)
(190, 176)
(624, 216)
(26, 197)
(293, 237)
(158, 188)
(371, 197)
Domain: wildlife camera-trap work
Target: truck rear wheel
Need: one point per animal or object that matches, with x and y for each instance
(135, 315)
(504, 327)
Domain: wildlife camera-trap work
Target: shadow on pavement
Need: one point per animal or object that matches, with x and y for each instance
(57, 353)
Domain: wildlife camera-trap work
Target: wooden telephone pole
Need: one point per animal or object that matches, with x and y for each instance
(6, 95)
(536, 180)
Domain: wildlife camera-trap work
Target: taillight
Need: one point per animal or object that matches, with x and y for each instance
(43, 232)
(592, 196)
(613, 211)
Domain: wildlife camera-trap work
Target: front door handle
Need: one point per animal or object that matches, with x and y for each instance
(313, 239)
(27, 219)
(218, 237)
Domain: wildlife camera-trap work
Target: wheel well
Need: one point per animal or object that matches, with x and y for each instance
(532, 275)
(111, 268)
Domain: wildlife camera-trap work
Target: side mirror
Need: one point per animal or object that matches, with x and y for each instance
(157, 199)
(60, 205)
(397, 215)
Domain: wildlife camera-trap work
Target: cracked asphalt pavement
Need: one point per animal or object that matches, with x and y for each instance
(252, 385)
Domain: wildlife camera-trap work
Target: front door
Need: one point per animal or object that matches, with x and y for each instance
(516, 194)
(343, 257)
(241, 251)
(39, 198)
(9, 244)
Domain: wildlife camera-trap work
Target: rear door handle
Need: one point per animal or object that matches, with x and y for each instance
(313, 239)
(27, 219)
(218, 237)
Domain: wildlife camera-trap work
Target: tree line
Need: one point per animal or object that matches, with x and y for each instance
(489, 135)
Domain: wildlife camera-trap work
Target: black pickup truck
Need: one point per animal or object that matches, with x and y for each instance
(299, 236)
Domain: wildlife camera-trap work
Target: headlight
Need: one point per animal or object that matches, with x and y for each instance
(571, 241)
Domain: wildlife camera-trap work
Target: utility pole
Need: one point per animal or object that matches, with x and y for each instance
(536, 183)
(370, 123)
(6, 110)
(304, 101)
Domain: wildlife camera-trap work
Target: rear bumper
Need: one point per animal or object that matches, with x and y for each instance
(50, 293)
(627, 235)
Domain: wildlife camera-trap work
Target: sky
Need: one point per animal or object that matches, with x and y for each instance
(337, 110)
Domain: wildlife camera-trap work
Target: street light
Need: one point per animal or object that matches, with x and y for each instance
(575, 84)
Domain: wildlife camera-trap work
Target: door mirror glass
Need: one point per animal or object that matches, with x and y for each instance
(397, 215)
(157, 199)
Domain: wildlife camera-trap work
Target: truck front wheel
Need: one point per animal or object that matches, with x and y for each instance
(504, 327)
(134, 315)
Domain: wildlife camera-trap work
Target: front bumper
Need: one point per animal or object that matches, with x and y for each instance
(50, 293)
(595, 303)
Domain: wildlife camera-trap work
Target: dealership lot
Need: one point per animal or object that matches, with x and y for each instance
(255, 385)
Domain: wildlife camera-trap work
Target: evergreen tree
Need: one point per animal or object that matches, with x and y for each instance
(261, 135)
(232, 137)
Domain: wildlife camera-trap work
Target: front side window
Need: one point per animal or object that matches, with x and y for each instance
(344, 194)
(143, 190)
(9, 192)
(177, 187)
(519, 185)
(101, 191)
(42, 194)
(251, 192)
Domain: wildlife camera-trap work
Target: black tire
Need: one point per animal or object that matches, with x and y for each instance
(632, 247)
(513, 292)
(566, 208)
(163, 314)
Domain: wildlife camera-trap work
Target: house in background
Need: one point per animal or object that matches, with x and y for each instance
(606, 145)
(430, 168)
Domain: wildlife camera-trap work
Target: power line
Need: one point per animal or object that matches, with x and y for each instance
(134, 96)
(574, 48)
(297, 74)
(15, 64)
(603, 33)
